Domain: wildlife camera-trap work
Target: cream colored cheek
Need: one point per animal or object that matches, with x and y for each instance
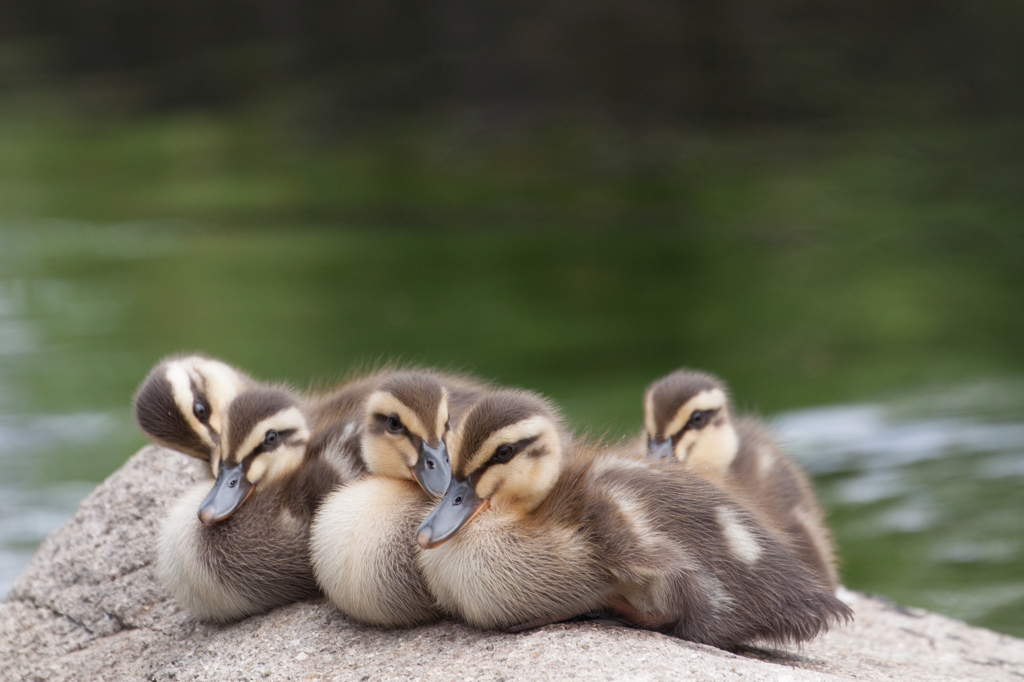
(685, 445)
(491, 484)
(544, 478)
(522, 487)
(519, 483)
(385, 457)
(283, 461)
(217, 423)
(406, 454)
(257, 470)
(717, 449)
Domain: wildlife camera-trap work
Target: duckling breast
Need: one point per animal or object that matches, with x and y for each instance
(499, 571)
(363, 549)
(251, 562)
(183, 566)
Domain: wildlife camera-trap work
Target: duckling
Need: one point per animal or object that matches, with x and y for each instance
(248, 550)
(688, 417)
(363, 540)
(183, 402)
(537, 527)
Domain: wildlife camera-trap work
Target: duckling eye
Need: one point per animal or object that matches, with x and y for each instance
(201, 411)
(504, 453)
(271, 438)
(394, 424)
(697, 419)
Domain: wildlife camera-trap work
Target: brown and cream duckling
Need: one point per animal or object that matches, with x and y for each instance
(260, 496)
(537, 527)
(363, 541)
(688, 417)
(247, 551)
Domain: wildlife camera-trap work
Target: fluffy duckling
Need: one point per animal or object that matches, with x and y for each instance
(248, 550)
(536, 527)
(688, 417)
(363, 542)
(183, 402)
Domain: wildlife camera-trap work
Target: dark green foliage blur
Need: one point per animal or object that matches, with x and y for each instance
(698, 61)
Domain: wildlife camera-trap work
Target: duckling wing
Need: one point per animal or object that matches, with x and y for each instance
(688, 554)
(773, 484)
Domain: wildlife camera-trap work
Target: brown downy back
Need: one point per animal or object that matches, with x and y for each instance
(722, 577)
(785, 497)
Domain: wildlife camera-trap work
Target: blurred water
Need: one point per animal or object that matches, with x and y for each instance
(922, 485)
(927, 509)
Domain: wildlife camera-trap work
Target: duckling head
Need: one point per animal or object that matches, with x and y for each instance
(265, 439)
(183, 403)
(404, 430)
(507, 453)
(687, 416)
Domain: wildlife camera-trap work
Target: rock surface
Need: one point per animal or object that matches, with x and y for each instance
(89, 607)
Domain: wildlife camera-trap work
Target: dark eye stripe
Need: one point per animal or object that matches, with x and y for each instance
(708, 416)
(517, 447)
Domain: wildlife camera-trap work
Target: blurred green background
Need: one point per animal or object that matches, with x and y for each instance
(821, 202)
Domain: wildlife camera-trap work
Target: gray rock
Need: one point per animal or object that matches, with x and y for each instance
(89, 607)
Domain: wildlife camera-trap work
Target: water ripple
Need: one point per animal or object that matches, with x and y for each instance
(863, 437)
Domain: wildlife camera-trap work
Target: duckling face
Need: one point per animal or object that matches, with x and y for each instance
(183, 403)
(686, 416)
(506, 454)
(265, 439)
(404, 431)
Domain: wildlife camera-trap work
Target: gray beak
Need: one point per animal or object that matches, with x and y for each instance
(229, 492)
(662, 450)
(433, 469)
(459, 506)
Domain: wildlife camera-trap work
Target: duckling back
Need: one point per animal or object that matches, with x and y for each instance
(784, 495)
(689, 560)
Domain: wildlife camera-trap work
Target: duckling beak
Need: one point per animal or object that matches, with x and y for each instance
(433, 469)
(662, 450)
(460, 505)
(229, 492)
